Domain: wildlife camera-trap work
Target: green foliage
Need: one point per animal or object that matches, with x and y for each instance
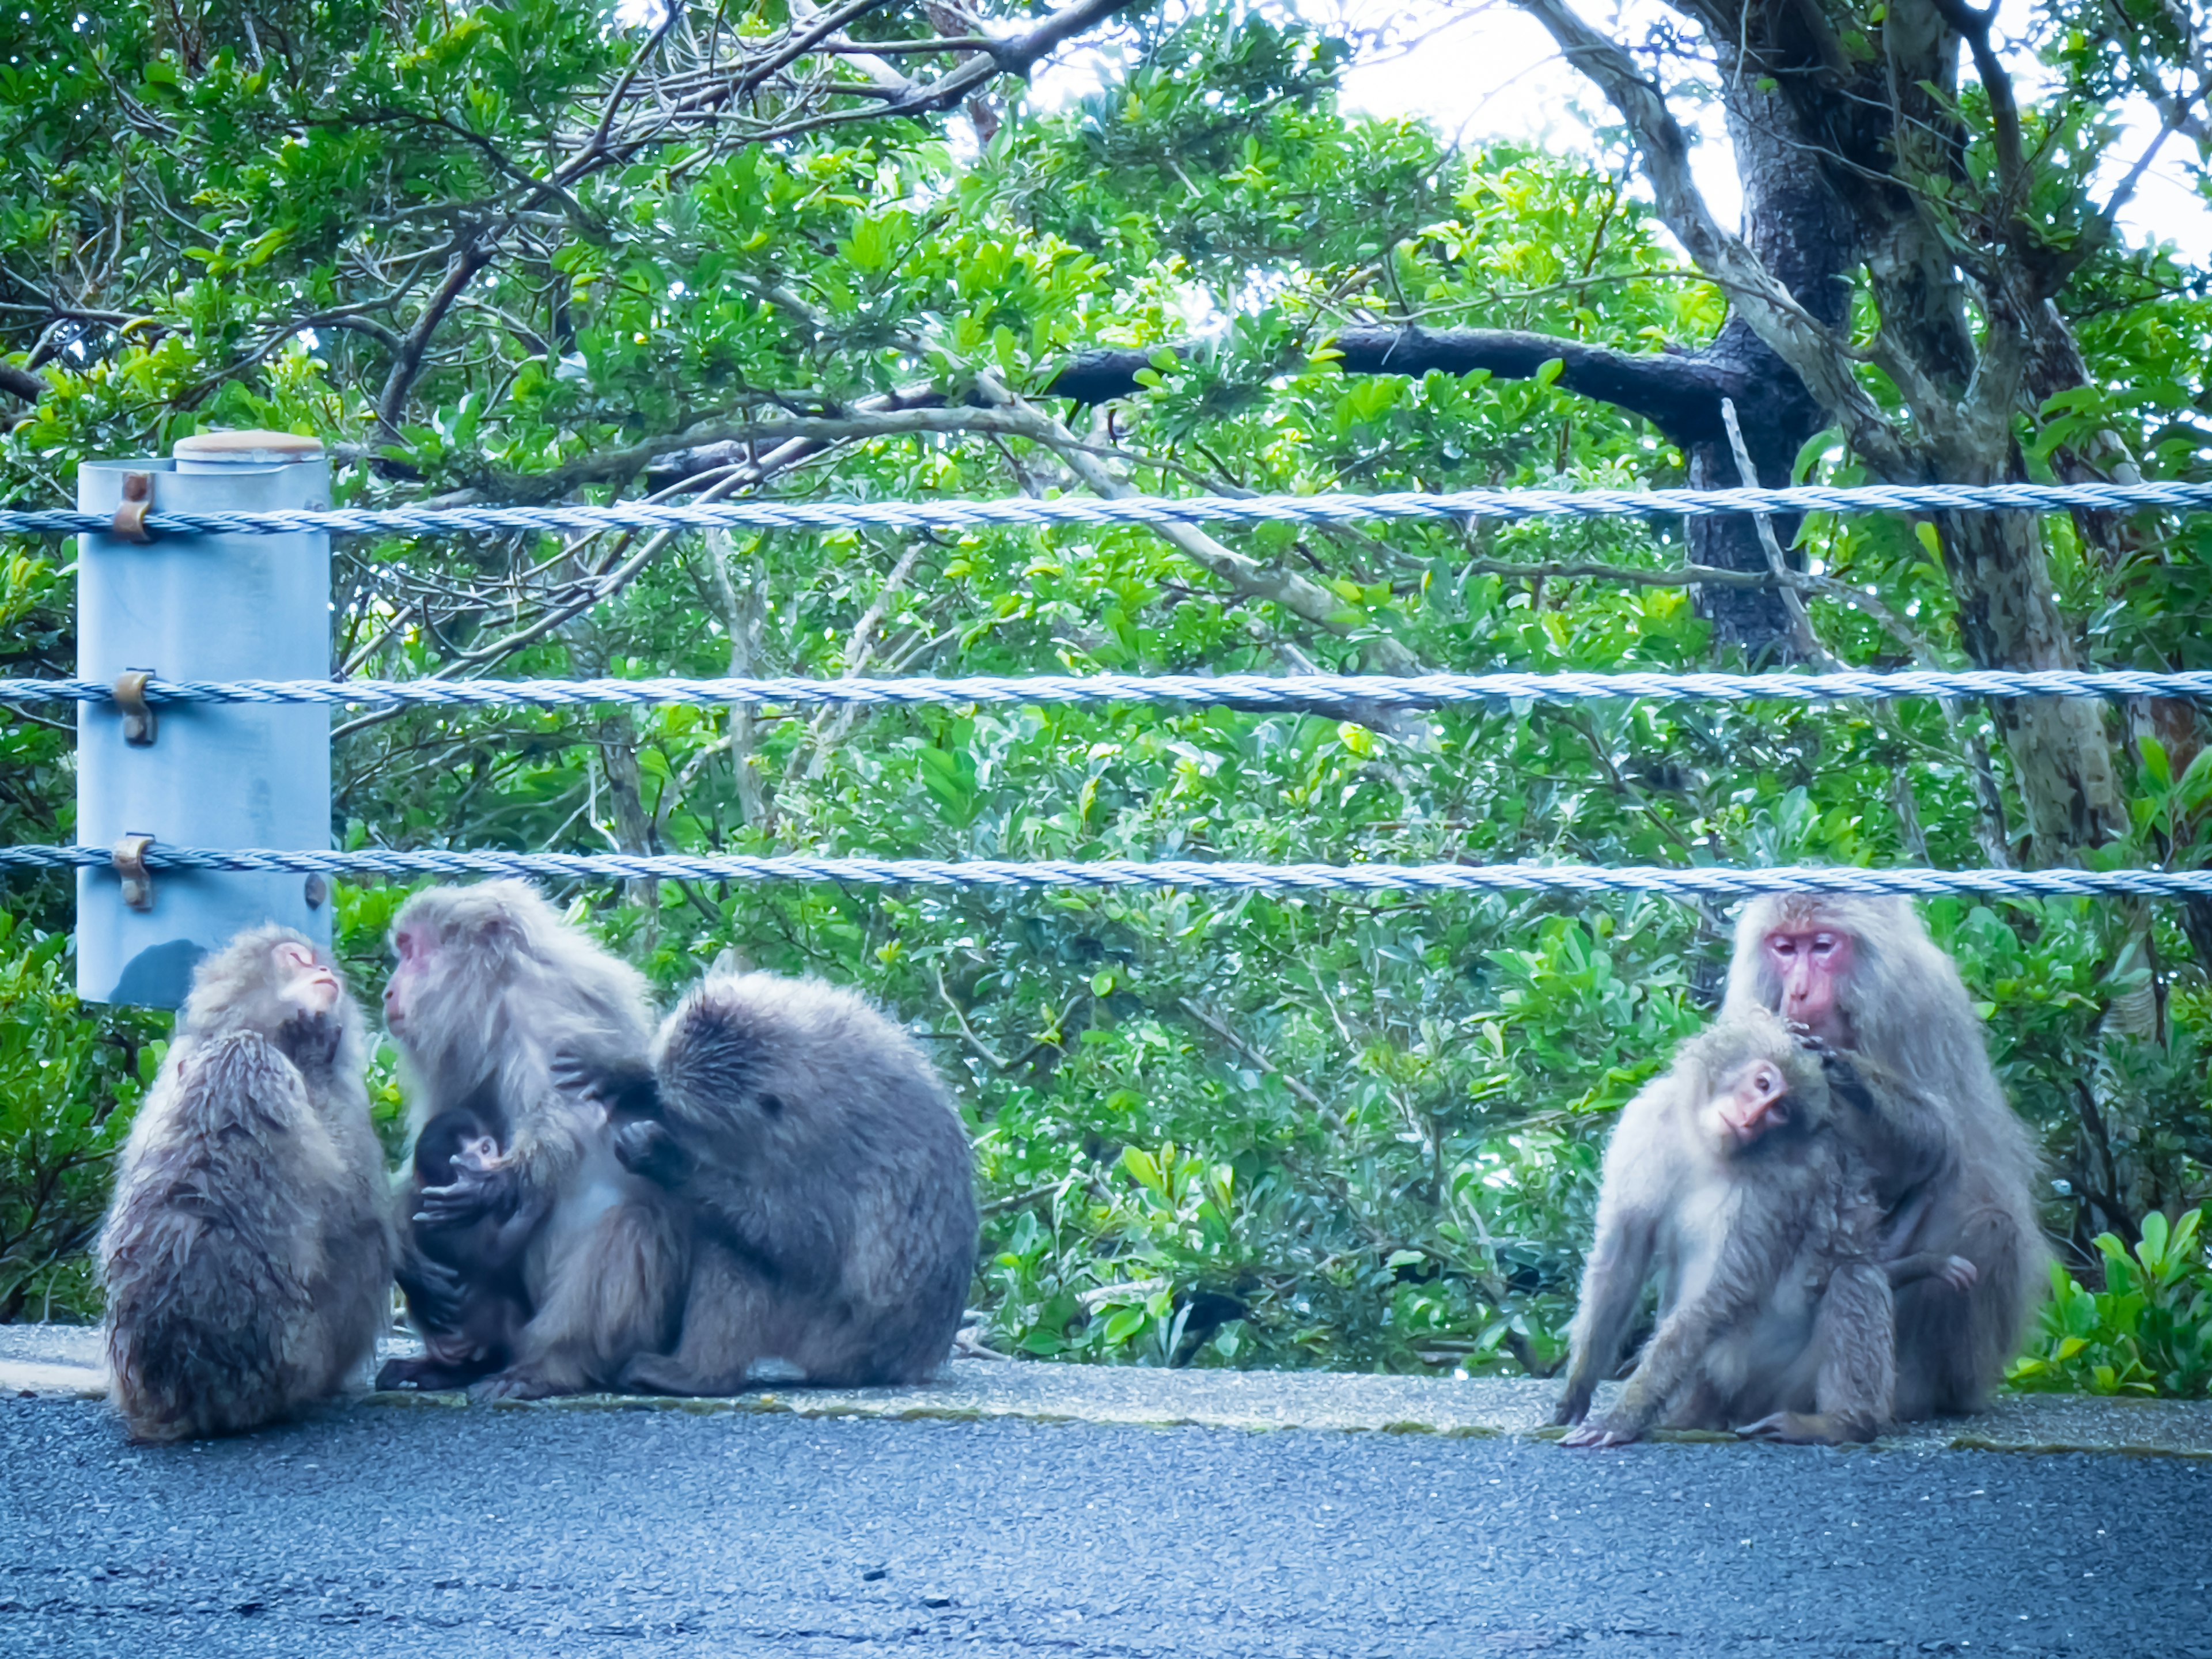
(2147, 1332)
(1265, 1130)
(70, 1080)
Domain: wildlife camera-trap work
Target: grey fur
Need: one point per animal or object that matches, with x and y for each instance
(1911, 1018)
(501, 982)
(246, 1254)
(830, 1182)
(1770, 1288)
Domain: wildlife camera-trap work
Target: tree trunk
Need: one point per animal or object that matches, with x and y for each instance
(2062, 755)
(1794, 224)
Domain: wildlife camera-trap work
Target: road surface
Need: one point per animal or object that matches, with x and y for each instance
(419, 1529)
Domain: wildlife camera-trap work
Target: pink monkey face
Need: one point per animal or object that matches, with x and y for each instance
(1754, 1100)
(307, 984)
(404, 991)
(1811, 966)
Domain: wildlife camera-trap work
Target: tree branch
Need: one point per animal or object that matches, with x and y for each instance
(1822, 361)
(1677, 394)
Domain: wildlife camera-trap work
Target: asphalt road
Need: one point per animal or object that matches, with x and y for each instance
(384, 1530)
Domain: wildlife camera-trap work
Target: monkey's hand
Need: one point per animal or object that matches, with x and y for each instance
(474, 1192)
(626, 1087)
(310, 1041)
(518, 1382)
(645, 1148)
(1959, 1273)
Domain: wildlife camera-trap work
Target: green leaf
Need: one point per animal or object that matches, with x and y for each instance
(2154, 760)
(2194, 792)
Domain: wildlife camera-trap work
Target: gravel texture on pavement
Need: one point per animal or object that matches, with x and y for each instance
(568, 1533)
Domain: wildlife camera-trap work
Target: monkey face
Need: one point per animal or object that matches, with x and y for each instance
(411, 946)
(303, 981)
(1810, 963)
(1752, 1101)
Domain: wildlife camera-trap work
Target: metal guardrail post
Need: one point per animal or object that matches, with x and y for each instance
(211, 774)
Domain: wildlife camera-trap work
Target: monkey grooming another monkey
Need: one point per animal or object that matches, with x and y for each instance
(1955, 1171)
(247, 1251)
(490, 982)
(829, 1179)
(1736, 1174)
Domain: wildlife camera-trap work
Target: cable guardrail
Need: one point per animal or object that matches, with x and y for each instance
(1099, 512)
(1702, 881)
(137, 693)
(1245, 690)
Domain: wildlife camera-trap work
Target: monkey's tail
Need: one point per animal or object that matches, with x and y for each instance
(211, 1256)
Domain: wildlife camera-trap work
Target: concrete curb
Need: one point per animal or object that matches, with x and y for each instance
(61, 1361)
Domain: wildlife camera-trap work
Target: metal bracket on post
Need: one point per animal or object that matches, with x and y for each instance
(137, 502)
(130, 694)
(128, 857)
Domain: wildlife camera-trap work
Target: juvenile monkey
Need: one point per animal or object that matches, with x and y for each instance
(247, 1252)
(490, 982)
(827, 1177)
(1954, 1168)
(1738, 1176)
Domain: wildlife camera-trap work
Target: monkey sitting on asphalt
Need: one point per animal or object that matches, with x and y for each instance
(1742, 1176)
(828, 1179)
(247, 1252)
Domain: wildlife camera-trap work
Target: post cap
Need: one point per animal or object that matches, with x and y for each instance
(248, 448)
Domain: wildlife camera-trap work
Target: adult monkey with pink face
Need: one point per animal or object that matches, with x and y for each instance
(1861, 975)
(491, 983)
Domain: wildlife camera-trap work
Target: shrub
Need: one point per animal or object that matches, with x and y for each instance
(70, 1078)
(2147, 1332)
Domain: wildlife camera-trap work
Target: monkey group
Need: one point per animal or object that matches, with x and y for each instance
(1828, 1185)
(775, 1183)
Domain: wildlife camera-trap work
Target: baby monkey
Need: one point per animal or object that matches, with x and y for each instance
(474, 1222)
(1740, 1176)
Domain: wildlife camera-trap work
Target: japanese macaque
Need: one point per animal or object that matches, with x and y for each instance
(829, 1180)
(1738, 1177)
(465, 1289)
(247, 1253)
(489, 983)
(1955, 1178)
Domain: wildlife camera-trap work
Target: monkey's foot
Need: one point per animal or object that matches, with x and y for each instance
(521, 1382)
(665, 1374)
(1959, 1273)
(1807, 1429)
(1598, 1435)
(425, 1375)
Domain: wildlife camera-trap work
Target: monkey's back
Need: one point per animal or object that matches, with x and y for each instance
(830, 1139)
(244, 1252)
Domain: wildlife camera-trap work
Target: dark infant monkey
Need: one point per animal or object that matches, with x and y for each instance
(468, 1279)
